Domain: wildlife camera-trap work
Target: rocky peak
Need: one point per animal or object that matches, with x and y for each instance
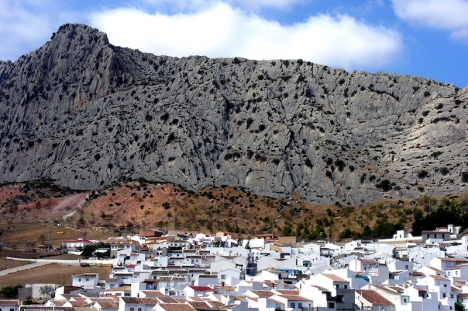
(85, 113)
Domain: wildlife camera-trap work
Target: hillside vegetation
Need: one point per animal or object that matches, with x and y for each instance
(130, 206)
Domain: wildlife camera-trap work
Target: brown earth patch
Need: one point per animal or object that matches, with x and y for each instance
(53, 273)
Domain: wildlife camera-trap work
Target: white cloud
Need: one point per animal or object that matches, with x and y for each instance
(447, 14)
(27, 24)
(247, 4)
(220, 30)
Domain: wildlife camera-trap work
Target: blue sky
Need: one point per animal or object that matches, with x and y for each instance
(416, 37)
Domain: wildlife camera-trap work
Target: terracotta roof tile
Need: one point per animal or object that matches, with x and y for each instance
(262, 293)
(335, 278)
(199, 305)
(109, 304)
(374, 298)
(145, 301)
(166, 299)
(176, 307)
(9, 302)
(439, 278)
(287, 291)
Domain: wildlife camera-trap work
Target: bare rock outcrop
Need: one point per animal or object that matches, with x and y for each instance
(86, 113)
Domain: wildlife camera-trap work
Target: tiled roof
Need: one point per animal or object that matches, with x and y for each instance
(110, 304)
(323, 289)
(453, 259)
(44, 308)
(387, 289)
(166, 299)
(276, 301)
(287, 291)
(120, 288)
(458, 266)
(335, 278)
(176, 307)
(374, 298)
(9, 302)
(398, 289)
(435, 269)
(57, 303)
(262, 293)
(79, 303)
(216, 304)
(145, 301)
(199, 305)
(439, 278)
(201, 288)
(154, 293)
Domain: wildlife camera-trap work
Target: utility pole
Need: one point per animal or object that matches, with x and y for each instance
(50, 235)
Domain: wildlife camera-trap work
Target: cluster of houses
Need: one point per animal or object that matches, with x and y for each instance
(154, 271)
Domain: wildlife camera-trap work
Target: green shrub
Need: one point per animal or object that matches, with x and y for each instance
(423, 174)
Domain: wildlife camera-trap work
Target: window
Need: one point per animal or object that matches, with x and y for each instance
(293, 305)
(445, 284)
(299, 305)
(132, 309)
(451, 296)
(444, 295)
(331, 305)
(139, 309)
(79, 280)
(406, 267)
(223, 276)
(346, 286)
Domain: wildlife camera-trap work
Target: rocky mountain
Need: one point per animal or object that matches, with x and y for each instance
(86, 113)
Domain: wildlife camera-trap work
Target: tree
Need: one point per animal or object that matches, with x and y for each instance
(10, 291)
(28, 301)
(42, 238)
(47, 291)
(88, 250)
(459, 306)
(13, 212)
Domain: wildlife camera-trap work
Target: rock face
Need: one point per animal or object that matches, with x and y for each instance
(85, 113)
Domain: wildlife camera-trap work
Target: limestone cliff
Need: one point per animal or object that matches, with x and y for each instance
(85, 113)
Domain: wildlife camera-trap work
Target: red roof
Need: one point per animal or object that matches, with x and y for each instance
(374, 297)
(201, 288)
(9, 302)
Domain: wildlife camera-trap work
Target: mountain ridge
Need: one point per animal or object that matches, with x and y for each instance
(86, 113)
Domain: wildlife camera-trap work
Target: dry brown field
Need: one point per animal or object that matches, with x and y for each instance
(51, 274)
